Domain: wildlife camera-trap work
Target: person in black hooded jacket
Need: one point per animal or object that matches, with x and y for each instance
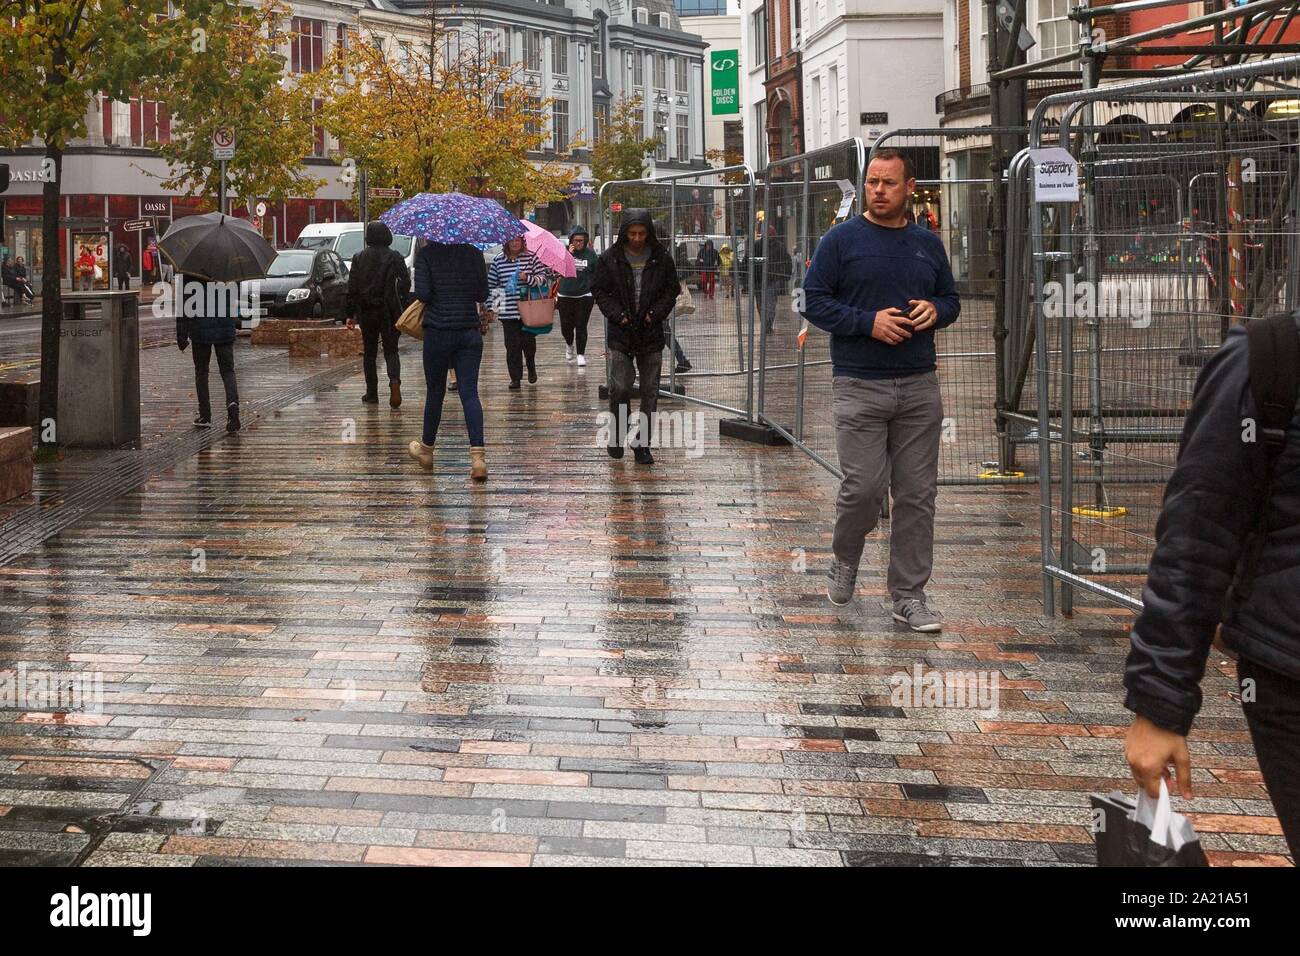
(378, 286)
(1225, 572)
(635, 287)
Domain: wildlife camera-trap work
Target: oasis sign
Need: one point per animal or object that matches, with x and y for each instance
(726, 81)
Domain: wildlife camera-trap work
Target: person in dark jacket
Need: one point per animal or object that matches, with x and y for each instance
(123, 266)
(574, 299)
(772, 271)
(378, 285)
(636, 287)
(24, 281)
(207, 314)
(1227, 560)
(707, 262)
(451, 280)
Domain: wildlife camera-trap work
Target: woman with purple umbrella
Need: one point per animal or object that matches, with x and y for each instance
(451, 281)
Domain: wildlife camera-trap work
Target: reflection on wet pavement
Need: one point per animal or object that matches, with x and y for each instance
(312, 651)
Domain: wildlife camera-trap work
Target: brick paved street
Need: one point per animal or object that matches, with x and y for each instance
(313, 651)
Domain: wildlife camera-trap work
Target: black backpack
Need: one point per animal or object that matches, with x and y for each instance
(1274, 348)
(1273, 345)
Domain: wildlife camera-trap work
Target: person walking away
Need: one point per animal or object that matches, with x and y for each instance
(123, 266)
(378, 286)
(452, 282)
(727, 259)
(574, 300)
(636, 287)
(504, 281)
(1226, 570)
(707, 263)
(882, 287)
(213, 329)
(86, 269)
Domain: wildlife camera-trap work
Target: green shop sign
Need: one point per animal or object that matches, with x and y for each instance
(726, 81)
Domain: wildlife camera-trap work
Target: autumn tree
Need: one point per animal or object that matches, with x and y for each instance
(621, 151)
(235, 77)
(438, 119)
(56, 56)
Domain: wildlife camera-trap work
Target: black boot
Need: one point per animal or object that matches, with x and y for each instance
(643, 456)
(232, 417)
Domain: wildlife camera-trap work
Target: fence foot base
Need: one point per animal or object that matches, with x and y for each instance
(746, 430)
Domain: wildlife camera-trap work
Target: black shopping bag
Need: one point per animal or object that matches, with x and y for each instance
(1144, 833)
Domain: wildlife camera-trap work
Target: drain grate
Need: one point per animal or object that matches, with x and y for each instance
(29, 527)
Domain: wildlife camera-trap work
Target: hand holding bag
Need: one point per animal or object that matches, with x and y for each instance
(1145, 833)
(537, 314)
(685, 304)
(411, 322)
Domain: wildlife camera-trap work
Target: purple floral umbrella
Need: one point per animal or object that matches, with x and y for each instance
(452, 218)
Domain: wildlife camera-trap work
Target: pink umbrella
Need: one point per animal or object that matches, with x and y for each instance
(552, 252)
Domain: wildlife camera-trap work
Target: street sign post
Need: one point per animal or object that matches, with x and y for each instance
(136, 225)
(260, 209)
(384, 192)
(223, 143)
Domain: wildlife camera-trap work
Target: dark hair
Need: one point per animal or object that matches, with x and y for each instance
(909, 172)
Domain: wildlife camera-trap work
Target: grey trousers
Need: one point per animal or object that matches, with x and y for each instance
(623, 369)
(887, 435)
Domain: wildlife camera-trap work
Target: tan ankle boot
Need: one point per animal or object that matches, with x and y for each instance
(478, 464)
(422, 453)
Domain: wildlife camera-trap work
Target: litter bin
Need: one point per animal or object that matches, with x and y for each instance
(99, 370)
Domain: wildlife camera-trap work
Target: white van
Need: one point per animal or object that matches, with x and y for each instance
(346, 239)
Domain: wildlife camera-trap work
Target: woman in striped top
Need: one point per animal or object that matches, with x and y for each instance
(514, 268)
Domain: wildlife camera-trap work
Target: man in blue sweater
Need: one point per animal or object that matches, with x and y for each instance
(882, 287)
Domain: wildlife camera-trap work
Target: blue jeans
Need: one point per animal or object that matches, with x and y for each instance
(462, 350)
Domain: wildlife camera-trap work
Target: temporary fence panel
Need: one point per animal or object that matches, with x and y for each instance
(711, 348)
(1186, 224)
(954, 197)
(802, 197)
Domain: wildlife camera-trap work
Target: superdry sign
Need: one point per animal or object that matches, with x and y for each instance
(1056, 175)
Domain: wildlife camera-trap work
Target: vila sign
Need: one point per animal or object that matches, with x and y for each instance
(1056, 175)
(726, 81)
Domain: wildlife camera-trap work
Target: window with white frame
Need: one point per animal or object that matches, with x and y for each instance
(665, 20)
(758, 35)
(817, 112)
(661, 72)
(641, 15)
(777, 43)
(1057, 33)
(638, 67)
(601, 115)
(501, 51)
(533, 50)
(560, 56)
(679, 74)
(560, 125)
(533, 111)
(683, 138)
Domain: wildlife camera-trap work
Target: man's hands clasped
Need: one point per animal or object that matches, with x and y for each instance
(893, 326)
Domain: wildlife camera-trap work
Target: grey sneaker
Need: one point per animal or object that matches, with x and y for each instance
(917, 615)
(842, 579)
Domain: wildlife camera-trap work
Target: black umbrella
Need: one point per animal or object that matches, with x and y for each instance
(217, 248)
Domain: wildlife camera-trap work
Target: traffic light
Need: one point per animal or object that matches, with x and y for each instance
(4, 177)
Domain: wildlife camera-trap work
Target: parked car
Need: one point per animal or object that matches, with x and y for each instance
(349, 238)
(303, 283)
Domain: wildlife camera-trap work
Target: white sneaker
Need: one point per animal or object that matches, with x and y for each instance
(582, 361)
(568, 353)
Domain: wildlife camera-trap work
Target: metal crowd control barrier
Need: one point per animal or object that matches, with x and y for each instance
(1189, 221)
(711, 351)
(802, 198)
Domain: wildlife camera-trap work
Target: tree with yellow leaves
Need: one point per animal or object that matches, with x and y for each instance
(437, 121)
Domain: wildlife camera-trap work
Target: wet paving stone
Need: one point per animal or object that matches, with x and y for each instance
(580, 662)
